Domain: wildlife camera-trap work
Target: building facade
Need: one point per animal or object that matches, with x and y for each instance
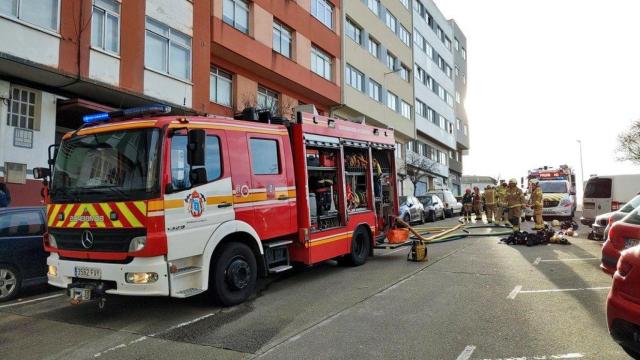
(462, 123)
(62, 59)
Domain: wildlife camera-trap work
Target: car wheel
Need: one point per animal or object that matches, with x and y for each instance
(10, 282)
(407, 218)
(631, 352)
(234, 274)
(423, 217)
(360, 246)
(432, 216)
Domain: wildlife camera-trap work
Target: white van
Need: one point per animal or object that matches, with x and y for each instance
(604, 194)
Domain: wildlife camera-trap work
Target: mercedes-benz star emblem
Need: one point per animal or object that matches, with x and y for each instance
(87, 239)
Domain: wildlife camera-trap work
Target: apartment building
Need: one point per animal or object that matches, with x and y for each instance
(62, 59)
(377, 66)
(439, 109)
(462, 123)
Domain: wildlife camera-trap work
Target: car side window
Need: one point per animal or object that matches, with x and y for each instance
(180, 167)
(265, 159)
(21, 223)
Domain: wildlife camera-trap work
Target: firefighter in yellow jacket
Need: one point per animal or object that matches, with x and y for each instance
(490, 206)
(536, 201)
(501, 199)
(477, 203)
(515, 202)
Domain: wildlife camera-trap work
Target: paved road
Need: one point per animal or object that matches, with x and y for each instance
(474, 299)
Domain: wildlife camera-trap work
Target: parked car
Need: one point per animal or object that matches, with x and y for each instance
(623, 235)
(603, 194)
(451, 205)
(23, 261)
(411, 209)
(433, 207)
(623, 302)
(603, 222)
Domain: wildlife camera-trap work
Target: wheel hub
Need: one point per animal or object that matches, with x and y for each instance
(238, 273)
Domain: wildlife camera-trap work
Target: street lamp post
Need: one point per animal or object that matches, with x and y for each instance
(581, 164)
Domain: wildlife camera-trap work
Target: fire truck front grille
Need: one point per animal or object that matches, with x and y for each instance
(551, 203)
(103, 240)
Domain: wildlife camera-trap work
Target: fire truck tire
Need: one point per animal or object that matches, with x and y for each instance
(360, 246)
(10, 282)
(234, 274)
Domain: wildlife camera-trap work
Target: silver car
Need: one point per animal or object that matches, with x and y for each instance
(603, 222)
(411, 209)
(433, 208)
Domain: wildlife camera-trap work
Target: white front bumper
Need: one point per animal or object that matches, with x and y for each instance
(557, 211)
(116, 273)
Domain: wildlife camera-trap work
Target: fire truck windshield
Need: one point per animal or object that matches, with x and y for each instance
(557, 187)
(109, 166)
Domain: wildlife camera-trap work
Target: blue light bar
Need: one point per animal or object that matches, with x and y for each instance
(95, 117)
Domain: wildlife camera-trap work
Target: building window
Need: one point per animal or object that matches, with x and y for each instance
(464, 53)
(442, 93)
(268, 99)
(391, 21)
(443, 122)
(236, 14)
(374, 47)
(220, 87)
(405, 3)
(466, 129)
(447, 42)
(418, 39)
(449, 99)
(439, 33)
(457, 71)
(375, 90)
(105, 25)
(458, 124)
(458, 97)
(354, 78)
(456, 44)
(392, 101)
(15, 173)
(405, 109)
(323, 11)
(281, 39)
(374, 5)
(428, 49)
(167, 50)
(421, 108)
(431, 115)
(22, 109)
(354, 31)
(43, 13)
(404, 73)
(321, 63)
(404, 35)
(391, 61)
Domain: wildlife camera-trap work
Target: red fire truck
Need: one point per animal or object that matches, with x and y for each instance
(142, 203)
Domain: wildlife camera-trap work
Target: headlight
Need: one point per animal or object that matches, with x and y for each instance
(53, 271)
(566, 202)
(51, 241)
(141, 277)
(137, 243)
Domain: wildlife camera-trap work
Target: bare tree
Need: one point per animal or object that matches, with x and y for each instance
(418, 168)
(629, 144)
(283, 107)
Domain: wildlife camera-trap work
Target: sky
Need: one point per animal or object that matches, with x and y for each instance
(544, 73)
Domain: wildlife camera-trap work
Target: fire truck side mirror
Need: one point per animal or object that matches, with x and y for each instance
(41, 173)
(197, 139)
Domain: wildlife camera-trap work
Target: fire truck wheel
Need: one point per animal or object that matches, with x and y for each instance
(234, 274)
(360, 246)
(9, 282)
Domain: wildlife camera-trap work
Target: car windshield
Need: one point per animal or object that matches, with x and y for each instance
(403, 200)
(119, 165)
(631, 205)
(557, 187)
(633, 217)
(427, 200)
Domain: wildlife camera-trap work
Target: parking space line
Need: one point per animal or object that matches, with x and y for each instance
(544, 357)
(466, 353)
(563, 290)
(562, 260)
(512, 295)
(537, 261)
(31, 301)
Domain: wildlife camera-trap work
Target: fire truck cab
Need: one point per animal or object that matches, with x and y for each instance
(175, 206)
(559, 191)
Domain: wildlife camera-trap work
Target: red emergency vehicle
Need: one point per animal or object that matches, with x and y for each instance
(175, 206)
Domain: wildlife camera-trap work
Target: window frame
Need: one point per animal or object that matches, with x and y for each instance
(352, 28)
(404, 35)
(107, 12)
(391, 95)
(390, 18)
(282, 29)
(169, 43)
(36, 104)
(325, 6)
(405, 109)
(350, 70)
(244, 5)
(378, 89)
(268, 94)
(214, 73)
(376, 43)
(278, 155)
(316, 52)
(376, 6)
(19, 18)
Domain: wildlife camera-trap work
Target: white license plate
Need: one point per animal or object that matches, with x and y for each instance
(88, 273)
(548, 211)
